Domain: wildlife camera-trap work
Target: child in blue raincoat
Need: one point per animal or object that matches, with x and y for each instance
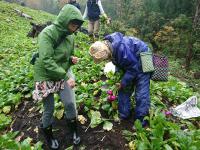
(124, 52)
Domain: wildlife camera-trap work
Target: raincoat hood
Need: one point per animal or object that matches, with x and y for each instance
(68, 13)
(114, 38)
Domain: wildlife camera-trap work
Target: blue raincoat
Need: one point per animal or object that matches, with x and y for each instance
(126, 56)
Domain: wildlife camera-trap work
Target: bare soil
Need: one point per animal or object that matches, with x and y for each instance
(27, 119)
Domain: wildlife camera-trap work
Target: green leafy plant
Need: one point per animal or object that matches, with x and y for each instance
(95, 118)
(4, 121)
(174, 90)
(7, 141)
(162, 134)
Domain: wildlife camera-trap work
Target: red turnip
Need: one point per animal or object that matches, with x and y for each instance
(168, 113)
(111, 98)
(110, 92)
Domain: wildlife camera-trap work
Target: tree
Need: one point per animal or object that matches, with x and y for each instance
(194, 34)
(182, 25)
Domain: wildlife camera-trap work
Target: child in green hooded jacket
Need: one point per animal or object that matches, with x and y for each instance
(52, 73)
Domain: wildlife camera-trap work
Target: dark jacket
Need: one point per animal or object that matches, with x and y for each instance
(126, 55)
(93, 10)
(75, 4)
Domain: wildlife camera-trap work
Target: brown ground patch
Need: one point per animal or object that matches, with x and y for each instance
(27, 119)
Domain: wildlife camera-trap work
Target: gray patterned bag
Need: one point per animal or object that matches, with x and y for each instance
(161, 68)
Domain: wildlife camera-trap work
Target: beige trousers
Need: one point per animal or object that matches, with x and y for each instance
(93, 27)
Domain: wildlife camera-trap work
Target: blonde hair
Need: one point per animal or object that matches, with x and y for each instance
(99, 51)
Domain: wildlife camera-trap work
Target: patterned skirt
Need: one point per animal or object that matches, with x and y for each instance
(44, 88)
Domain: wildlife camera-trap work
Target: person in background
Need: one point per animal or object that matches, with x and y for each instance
(52, 72)
(93, 10)
(75, 3)
(124, 52)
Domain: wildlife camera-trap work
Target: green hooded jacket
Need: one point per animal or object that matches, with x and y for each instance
(56, 46)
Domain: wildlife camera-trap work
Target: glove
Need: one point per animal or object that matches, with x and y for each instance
(118, 85)
(105, 15)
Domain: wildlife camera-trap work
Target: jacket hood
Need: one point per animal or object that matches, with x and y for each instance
(67, 13)
(115, 39)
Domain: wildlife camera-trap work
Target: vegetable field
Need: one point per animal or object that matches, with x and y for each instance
(96, 97)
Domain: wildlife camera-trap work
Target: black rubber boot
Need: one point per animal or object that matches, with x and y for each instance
(96, 36)
(91, 35)
(48, 135)
(72, 125)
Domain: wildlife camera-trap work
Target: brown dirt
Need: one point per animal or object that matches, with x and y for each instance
(27, 119)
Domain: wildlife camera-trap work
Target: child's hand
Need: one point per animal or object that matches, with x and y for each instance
(71, 83)
(74, 59)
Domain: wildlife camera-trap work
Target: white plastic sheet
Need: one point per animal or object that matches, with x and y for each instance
(188, 109)
(109, 67)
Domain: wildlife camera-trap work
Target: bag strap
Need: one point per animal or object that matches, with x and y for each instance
(36, 54)
(60, 40)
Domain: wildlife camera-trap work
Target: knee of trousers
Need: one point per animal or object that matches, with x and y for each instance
(142, 97)
(142, 110)
(70, 109)
(124, 106)
(70, 105)
(48, 111)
